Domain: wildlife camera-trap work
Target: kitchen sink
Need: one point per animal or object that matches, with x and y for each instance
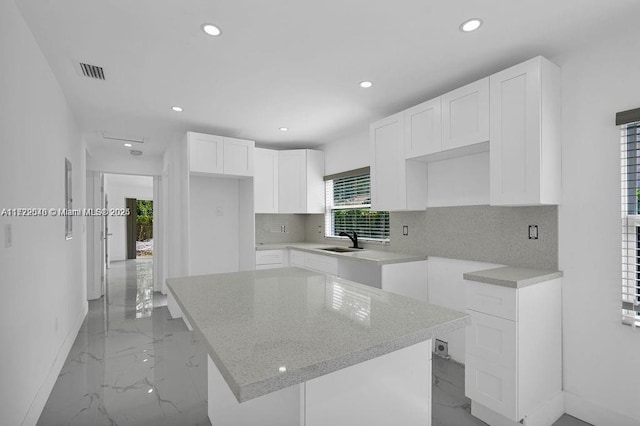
(340, 249)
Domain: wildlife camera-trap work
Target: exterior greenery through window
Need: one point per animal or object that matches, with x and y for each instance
(630, 171)
(348, 208)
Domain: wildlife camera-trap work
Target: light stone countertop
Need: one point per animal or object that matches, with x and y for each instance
(378, 257)
(270, 329)
(509, 276)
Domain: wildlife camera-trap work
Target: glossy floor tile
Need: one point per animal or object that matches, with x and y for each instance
(133, 365)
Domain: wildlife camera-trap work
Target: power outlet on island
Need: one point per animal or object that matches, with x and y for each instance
(442, 349)
(533, 232)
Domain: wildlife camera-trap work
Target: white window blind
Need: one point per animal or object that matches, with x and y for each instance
(348, 208)
(630, 191)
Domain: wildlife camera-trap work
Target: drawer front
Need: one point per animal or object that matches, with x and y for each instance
(297, 258)
(268, 257)
(492, 339)
(317, 262)
(270, 266)
(492, 299)
(491, 385)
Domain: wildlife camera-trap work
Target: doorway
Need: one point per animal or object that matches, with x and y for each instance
(139, 226)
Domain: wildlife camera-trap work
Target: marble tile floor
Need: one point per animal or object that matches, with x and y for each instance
(133, 365)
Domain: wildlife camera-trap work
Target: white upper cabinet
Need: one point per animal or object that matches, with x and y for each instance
(238, 157)
(300, 181)
(205, 153)
(422, 129)
(265, 182)
(388, 169)
(525, 134)
(465, 115)
(210, 154)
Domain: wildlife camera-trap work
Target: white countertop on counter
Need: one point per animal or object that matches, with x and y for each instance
(376, 256)
(270, 329)
(509, 276)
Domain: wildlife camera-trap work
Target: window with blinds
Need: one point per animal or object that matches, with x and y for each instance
(630, 171)
(348, 207)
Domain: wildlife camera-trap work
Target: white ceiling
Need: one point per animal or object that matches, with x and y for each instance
(293, 63)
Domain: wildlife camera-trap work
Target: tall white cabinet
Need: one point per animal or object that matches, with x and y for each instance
(266, 181)
(211, 185)
(388, 178)
(526, 134)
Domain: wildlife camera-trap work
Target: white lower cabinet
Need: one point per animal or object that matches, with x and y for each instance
(404, 278)
(270, 259)
(513, 360)
(314, 262)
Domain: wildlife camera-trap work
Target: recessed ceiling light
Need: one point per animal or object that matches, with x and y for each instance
(284, 129)
(366, 84)
(128, 145)
(176, 108)
(211, 29)
(470, 25)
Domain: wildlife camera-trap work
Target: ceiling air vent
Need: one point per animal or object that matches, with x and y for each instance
(92, 71)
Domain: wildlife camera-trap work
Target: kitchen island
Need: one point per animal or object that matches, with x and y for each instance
(292, 347)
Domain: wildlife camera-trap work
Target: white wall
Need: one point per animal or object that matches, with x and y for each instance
(176, 178)
(601, 356)
(108, 161)
(117, 188)
(43, 276)
(348, 153)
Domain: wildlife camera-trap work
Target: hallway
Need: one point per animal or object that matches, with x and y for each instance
(130, 364)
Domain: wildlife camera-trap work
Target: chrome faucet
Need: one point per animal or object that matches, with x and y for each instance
(353, 239)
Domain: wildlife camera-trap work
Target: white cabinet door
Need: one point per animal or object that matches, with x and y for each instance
(238, 157)
(388, 176)
(422, 129)
(315, 182)
(465, 115)
(265, 181)
(292, 181)
(525, 134)
(491, 385)
(205, 153)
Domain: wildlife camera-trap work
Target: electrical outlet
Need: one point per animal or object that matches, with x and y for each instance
(442, 348)
(8, 236)
(533, 232)
(219, 211)
(405, 230)
(319, 229)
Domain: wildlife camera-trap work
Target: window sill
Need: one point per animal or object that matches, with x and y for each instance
(363, 240)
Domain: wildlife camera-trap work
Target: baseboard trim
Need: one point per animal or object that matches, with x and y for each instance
(39, 401)
(594, 413)
(544, 415)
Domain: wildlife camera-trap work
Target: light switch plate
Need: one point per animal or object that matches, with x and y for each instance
(8, 235)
